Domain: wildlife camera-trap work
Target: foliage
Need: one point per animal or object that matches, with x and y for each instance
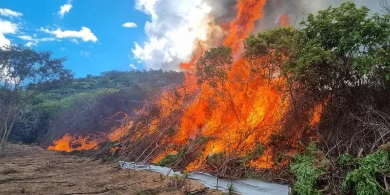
(85, 104)
(167, 160)
(53, 106)
(272, 47)
(307, 170)
(346, 160)
(335, 48)
(213, 67)
(22, 72)
(170, 158)
(362, 181)
(230, 188)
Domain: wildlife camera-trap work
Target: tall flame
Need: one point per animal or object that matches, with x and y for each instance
(248, 12)
(238, 116)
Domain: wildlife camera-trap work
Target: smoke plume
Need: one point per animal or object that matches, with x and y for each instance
(176, 26)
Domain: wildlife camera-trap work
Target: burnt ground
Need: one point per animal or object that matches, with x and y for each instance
(34, 170)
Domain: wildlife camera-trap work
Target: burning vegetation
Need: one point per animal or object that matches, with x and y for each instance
(252, 103)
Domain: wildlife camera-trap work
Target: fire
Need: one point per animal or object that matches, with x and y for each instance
(284, 21)
(316, 117)
(68, 144)
(248, 11)
(234, 117)
(118, 133)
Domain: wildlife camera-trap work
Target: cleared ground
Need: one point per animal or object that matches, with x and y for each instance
(34, 170)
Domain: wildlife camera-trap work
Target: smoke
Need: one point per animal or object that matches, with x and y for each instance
(296, 10)
(172, 31)
(176, 26)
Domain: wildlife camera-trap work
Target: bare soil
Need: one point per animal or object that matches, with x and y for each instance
(34, 170)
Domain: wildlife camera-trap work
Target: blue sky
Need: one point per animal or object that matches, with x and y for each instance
(91, 35)
(106, 47)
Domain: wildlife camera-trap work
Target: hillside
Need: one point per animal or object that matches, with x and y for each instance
(86, 105)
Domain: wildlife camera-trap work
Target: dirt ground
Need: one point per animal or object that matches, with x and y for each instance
(34, 170)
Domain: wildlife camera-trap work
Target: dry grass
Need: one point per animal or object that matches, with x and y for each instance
(34, 170)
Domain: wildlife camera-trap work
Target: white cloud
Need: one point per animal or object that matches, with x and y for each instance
(9, 13)
(64, 9)
(172, 32)
(25, 37)
(30, 44)
(32, 41)
(3, 41)
(139, 61)
(133, 67)
(74, 41)
(85, 53)
(6, 27)
(129, 25)
(85, 34)
(147, 6)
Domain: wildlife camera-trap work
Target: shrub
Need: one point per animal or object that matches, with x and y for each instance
(362, 181)
(307, 167)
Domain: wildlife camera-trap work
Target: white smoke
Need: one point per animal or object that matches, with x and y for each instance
(172, 31)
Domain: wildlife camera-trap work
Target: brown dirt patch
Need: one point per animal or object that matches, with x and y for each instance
(34, 170)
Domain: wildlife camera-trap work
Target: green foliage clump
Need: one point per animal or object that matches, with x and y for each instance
(167, 160)
(346, 160)
(340, 45)
(362, 181)
(306, 167)
(212, 68)
(53, 106)
(171, 158)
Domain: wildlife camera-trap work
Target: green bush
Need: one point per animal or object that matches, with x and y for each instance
(363, 181)
(167, 160)
(306, 171)
(346, 160)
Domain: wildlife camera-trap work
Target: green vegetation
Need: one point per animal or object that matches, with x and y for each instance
(307, 168)
(23, 71)
(61, 104)
(230, 188)
(363, 180)
(94, 100)
(171, 158)
(338, 58)
(212, 68)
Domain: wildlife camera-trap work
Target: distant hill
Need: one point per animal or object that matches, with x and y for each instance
(84, 105)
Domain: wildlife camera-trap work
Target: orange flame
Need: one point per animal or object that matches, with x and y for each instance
(246, 111)
(68, 144)
(284, 21)
(119, 133)
(248, 12)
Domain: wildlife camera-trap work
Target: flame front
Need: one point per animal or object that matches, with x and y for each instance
(68, 144)
(235, 118)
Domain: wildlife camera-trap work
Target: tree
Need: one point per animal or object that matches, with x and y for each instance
(214, 65)
(385, 5)
(22, 73)
(340, 48)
